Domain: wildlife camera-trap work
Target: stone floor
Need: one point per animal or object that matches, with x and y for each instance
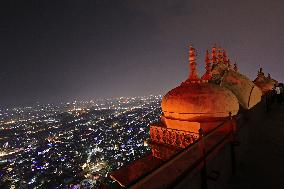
(262, 165)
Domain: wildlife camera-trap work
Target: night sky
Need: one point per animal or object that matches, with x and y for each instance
(56, 50)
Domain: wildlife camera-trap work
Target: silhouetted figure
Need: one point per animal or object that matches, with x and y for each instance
(278, 94)
(281, 85)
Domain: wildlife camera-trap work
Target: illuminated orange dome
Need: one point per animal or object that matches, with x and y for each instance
(196, 103)
(199, 102)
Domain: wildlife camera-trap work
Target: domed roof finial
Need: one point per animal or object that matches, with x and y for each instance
(260, 73)
(229, 63)
(220, 55)
(192, 64)
(214, 54)
(207, 74)
(225, 57)
(235, 67)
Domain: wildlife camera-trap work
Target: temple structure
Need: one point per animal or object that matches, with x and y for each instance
(201, 103)
(196, 104)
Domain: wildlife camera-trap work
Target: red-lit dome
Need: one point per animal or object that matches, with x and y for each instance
(199, 102)
(264, 83)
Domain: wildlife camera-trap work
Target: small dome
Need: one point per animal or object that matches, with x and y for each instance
(199, 102)
(246, 91)
(264, 83)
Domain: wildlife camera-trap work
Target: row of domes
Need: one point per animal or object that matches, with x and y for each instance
(219, 93)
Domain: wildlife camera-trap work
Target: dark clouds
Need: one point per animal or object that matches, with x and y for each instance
(61, 50)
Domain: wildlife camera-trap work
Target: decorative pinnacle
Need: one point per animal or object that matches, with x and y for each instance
(229, 63)
(235, 67)
(207, 74)
(220, 55)
(192, 64)
(260, 73)
(225, 57)
(214, 54)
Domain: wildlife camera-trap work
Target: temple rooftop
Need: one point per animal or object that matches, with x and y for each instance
(208, 130)
(259, 158)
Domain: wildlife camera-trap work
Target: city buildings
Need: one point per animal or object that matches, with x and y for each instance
(48, 146)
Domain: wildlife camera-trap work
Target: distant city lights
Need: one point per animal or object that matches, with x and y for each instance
(74, 144)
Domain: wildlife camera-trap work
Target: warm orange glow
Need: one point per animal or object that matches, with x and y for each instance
(198, 102)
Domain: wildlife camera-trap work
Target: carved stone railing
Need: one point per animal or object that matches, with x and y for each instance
(174, 137)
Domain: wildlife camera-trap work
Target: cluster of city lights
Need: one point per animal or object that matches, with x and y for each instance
(73, 144)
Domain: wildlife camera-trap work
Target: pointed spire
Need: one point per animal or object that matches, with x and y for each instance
(192, 64)
(235, 67)
(268, 76)
(229, 63)
(260, 73)
(207, 74)
(214, 54)
(225, 57)
(220, 55)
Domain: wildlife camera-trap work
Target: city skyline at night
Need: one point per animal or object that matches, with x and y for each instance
(59, 146)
